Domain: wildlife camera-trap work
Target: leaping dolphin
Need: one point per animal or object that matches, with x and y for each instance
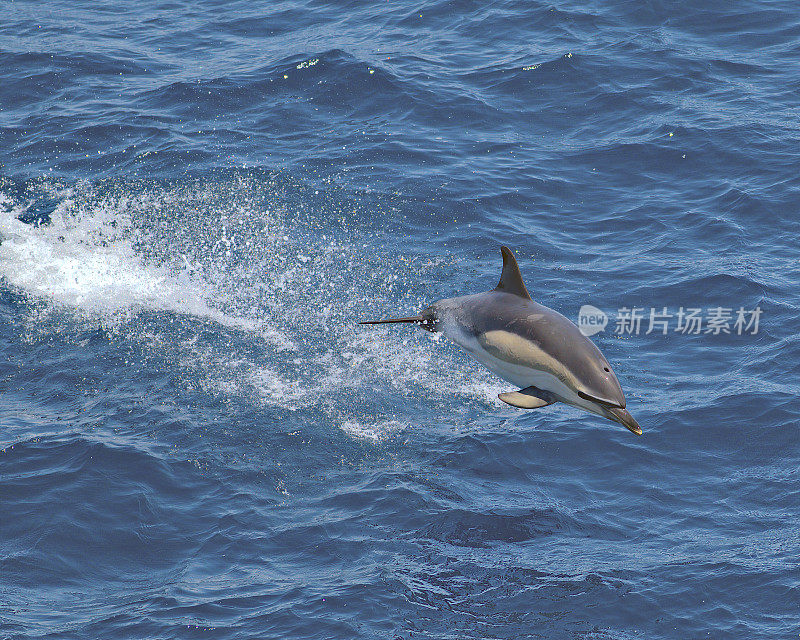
(533, 347)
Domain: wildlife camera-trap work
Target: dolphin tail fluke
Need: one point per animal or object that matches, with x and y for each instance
(418, 319)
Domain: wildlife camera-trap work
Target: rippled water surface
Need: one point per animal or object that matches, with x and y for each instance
(198, 201)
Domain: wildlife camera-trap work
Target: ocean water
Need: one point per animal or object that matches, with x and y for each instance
(199, 200)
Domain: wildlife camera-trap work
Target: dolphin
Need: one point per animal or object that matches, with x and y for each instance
(529, 345)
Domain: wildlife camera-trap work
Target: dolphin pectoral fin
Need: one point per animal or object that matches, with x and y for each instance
(528, 398)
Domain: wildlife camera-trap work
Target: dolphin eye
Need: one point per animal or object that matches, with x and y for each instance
(606, 369)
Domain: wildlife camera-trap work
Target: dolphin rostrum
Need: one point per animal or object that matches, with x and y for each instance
(529, 345)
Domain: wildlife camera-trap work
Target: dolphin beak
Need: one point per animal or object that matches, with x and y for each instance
(625, 419)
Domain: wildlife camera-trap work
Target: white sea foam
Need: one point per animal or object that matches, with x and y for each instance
(373, 431)
(292, 292)
(86, 262)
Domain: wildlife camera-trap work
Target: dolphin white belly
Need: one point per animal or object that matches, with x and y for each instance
(519, 375)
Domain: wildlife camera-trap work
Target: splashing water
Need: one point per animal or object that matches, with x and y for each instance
(288, 289)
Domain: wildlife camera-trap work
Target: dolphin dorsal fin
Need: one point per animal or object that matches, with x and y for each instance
(511, 278)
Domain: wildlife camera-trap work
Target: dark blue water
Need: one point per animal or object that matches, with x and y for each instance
(199, 200)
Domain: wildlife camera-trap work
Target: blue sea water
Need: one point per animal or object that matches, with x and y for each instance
(199, 200)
